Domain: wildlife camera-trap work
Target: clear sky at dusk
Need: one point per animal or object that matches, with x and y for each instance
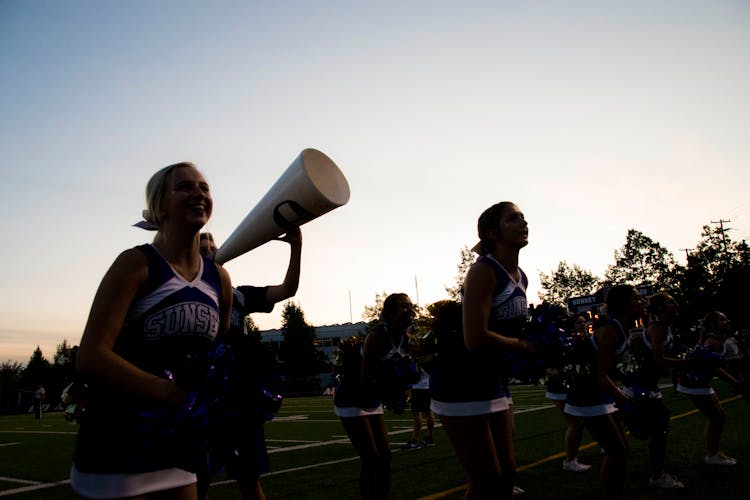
(594, 117)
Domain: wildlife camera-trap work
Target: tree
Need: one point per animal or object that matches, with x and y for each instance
(642, 261)
(250, 324)
(10, 375)
(301, 360)
(716, 277)
(37, 369)
(466, 260)
(10, 384)
(64, 354)
(718, 254)
(566, 282)
(372, 313)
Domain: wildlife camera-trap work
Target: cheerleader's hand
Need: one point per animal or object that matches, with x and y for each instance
(293, 236)
(525, 345)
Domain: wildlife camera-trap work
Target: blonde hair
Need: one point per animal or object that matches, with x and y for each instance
(155, 189)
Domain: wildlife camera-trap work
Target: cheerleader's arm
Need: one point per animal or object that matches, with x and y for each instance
(657, 334)
(96, 356)
(606, 339)
(727, 377)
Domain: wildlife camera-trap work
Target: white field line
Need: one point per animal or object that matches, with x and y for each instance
(63, 433)
(26, 489)
(19, 481)
(9, 444)
(33, 486)
(291, 441)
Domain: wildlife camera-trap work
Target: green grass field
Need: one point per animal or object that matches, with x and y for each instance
(311, 457)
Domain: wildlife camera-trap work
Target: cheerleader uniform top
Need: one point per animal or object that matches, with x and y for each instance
(170, 324)
(252, 359)
(698, 383)
(585, 397)
(352, 398)
(465, 383)
(645, 383)
(245, 300)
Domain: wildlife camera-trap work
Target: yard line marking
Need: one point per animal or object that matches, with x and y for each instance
(293, 440)
(19, 481)
(294, 469)
(342, 440)
(9, 444)
(556, 456)
(64, 433)
(309, 445)
(41, 486)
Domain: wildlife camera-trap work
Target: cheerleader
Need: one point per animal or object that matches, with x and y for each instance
(366, 383)
(558, 394)
(243, 449)
(593, 396)
(715, 327)
(656, 345)
(468, 385)
(158, 308)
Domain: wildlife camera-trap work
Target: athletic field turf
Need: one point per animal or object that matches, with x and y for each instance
(312, 458)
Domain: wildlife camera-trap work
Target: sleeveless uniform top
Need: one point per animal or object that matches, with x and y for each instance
(700, 384)
(351, 398)
(170, 325)
(465, 383)
(646, 381)
(586, 398)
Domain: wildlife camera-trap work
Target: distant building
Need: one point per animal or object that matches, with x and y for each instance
(327, 339)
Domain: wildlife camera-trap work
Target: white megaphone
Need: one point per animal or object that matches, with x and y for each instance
(312, 186)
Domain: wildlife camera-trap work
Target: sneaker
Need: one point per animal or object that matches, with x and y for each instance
(428, 442)
(720, 459)
(412, 445)
(574, 466)
(518, 491)
(665, 481)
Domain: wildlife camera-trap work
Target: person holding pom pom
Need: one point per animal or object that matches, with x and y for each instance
(706, 360)
(468, 385)
(374, 373)
(158, 309)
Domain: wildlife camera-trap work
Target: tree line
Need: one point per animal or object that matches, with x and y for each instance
(715, 277)
(297, 362)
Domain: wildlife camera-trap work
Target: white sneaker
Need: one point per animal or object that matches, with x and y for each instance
(665, 481)
(719, 459)
(518, 491)
(574, 466)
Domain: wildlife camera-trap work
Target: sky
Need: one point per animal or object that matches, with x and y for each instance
(593, 117)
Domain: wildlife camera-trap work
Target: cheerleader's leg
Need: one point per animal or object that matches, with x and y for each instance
(476, 440)
(610, 435)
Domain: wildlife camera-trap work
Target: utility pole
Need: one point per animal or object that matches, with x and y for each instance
(687, 252)
(351, 319)
(723, 231)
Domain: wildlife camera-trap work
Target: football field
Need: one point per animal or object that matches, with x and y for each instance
(311, 458)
